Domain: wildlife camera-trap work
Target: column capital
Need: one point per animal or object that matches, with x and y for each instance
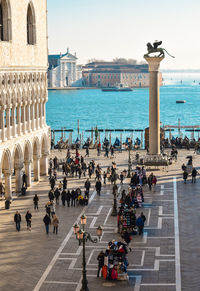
(18, 166)
(27, 162)
(7, 173)
(154, 63)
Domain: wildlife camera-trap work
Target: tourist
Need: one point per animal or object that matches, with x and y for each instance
(35, 201)
(100, 260)
(99, 149)
(47, 207)
(112, 150)
(24, 180)
(55, 224)
(17, 220)
(140, 224)
(47, 221)
(57, 195)
(143, 216)
(121, 178)
(87, 152)
(63, 197)
(73, 198)
(65, 183)
(104, 177)
(55, 162)
(154, 181)
(28, 217)
(68, 198)
(51, 195)
(185, 176)
(149, 181)
(194, 174)
(98, 187)
(52, 182)
(60, 186)
(107, 151)
(87, 185)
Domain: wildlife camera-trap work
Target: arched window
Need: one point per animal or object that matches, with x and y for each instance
(5, 20)
(31, 28)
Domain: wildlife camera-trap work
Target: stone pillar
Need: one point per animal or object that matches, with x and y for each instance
(8, 122)
(44, 164)
(13, 120)
(154, 104)
(44, 113)
(28, 172)
(41, 113)
(2, 123)
(37, 115)
(18, 178)
(18, 120)
(28, 117)
(23, 118)
(8, 185)
(36, 167)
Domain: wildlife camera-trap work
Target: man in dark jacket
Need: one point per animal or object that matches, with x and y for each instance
(57, 195)
(100, 259)
(140, 224)
(98, 187)
(87, 186)
(47, 221)
(17, 220)
(68, 197)
(63, 197)
(185, 175)
(194, 174)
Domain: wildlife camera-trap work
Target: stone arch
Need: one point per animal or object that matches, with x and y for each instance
(18, 163)
(5, 21)
(36, 159)
(28, 153)
(44, 155)
(6, 162)
(31, 24)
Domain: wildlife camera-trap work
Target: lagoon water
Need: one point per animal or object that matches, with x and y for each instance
(126, 110)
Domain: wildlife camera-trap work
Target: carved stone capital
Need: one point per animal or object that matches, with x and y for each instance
(154, 63)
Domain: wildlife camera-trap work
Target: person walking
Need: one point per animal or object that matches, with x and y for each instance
(100, 260)
(87, 185)
(64, 183)
(104, 177)
(28, 217)
(35, 201)
(24, 180)
(194, 174)
(47, 221)
(55, 224)
(154, 181)
(68, 198)
(98, 187)
(149, 181)
(121, 178)
(17, 220)
(63, 197)
(57, 195)
(185, 176)
(140, 224)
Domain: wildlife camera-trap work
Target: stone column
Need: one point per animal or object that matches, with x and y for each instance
(2, 123)
(23, 118)
(28, 172)
(18, 178)
(32, 117)
(41, 114)
(36, 167)
(13, 120)
(28, 117)
(18, 120)
(8, 185)
(44, 112)
(154, 104)
(37, 115)
(44, 164)
(8, 122)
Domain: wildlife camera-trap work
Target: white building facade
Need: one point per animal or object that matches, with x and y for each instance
(24, 134)
(62, 70)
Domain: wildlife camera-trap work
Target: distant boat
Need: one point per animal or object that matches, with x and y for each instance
(119, 88)
(180, 101)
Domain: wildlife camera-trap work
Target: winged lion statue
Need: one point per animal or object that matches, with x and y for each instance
(156, 49)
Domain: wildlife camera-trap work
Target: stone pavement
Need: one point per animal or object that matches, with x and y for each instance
(31, 260)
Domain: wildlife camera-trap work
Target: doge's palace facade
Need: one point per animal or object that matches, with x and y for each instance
(24, 134)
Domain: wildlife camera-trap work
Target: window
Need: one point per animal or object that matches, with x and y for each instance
(31, 28)
(5, 20)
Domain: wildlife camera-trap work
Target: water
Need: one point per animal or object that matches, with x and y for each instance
(126, 110)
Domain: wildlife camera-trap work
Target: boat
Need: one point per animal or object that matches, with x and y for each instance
(119, 88)
(180, 101)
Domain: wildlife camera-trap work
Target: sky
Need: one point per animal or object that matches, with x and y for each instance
(107, 29)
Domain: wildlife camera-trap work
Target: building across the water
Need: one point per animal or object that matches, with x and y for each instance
(24, 134)
(63, 71)
(110, 74)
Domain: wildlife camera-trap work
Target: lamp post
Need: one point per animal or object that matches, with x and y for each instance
(82, 236)
(129, 157)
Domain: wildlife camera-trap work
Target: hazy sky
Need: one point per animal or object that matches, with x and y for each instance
(106, 29)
